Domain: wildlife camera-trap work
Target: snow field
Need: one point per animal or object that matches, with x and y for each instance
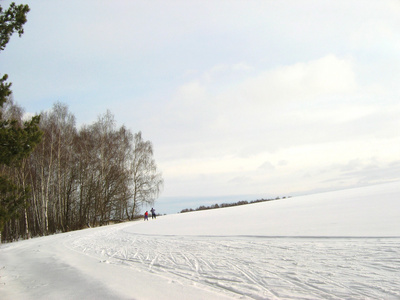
(336, 245)
(259, 267)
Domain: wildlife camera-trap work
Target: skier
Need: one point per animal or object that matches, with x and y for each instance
(153, 213)
(146, 216)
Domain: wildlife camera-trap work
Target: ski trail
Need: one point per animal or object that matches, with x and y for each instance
(253, 279)
(259, 268)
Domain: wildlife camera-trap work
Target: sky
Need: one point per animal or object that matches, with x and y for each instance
(241, 99)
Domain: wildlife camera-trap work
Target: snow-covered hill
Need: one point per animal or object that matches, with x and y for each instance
(336, 245)
(367, 211)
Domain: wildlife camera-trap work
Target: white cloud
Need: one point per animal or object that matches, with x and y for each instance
(266, 166)
(299, 119)
(301, 81)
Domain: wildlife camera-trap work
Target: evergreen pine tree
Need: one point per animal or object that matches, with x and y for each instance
(17, 140)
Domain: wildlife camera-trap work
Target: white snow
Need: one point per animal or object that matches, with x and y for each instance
(336, 245)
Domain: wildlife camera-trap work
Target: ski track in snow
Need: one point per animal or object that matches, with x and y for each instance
(258, 267)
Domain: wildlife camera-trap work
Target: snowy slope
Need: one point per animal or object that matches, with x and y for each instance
(336, 245)
(368, 211)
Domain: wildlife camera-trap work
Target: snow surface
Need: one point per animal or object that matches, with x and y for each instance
(336, 245)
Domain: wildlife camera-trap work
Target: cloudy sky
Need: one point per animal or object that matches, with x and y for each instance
(255, 97)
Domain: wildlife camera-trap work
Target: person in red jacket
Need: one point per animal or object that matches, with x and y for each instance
(146, 215)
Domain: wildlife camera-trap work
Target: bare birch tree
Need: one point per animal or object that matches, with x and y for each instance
(147, 181)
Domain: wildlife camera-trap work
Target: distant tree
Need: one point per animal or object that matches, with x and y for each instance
(223, 205)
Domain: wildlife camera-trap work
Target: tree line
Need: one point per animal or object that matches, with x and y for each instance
(76, 178)
(223, 205)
